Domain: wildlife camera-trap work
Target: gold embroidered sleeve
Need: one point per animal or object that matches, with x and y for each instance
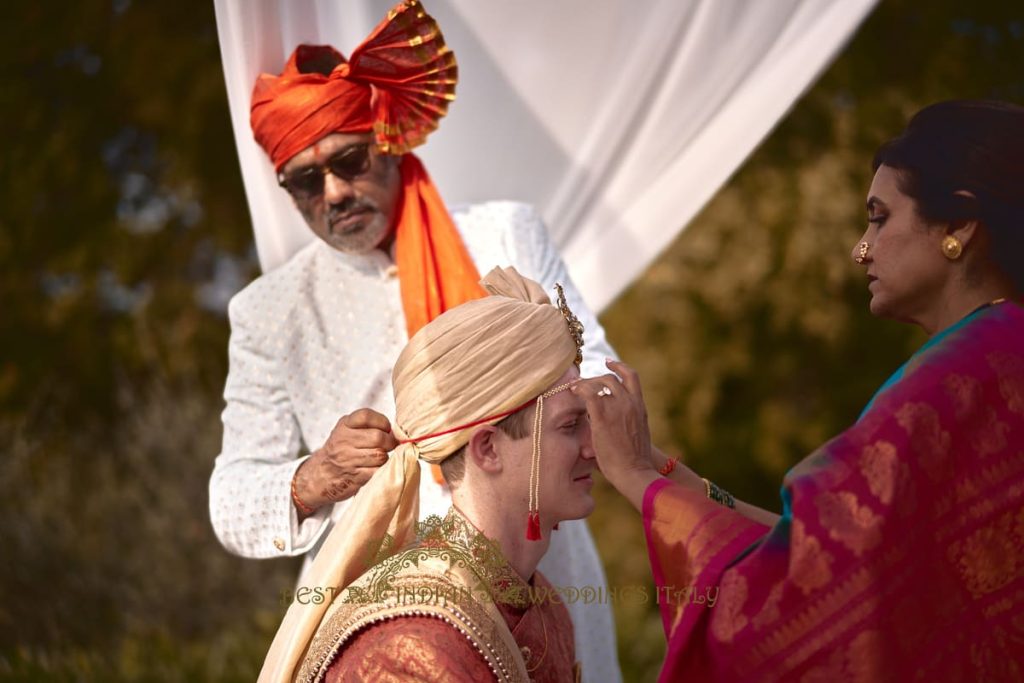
(418, 649)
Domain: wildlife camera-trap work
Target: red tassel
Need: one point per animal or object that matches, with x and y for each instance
(533, 526)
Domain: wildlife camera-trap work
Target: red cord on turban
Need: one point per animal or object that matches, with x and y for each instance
(435, 272)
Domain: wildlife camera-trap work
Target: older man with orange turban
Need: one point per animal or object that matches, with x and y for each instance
(315, 340)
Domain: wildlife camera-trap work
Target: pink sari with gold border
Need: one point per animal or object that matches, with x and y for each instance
(900, 553)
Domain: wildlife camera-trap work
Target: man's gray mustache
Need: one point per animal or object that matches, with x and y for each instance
(350, 206)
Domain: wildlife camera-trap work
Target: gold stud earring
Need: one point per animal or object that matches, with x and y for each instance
(862, 254)
(952, 247)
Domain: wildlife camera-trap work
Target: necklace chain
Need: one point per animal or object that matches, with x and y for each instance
(544, 626)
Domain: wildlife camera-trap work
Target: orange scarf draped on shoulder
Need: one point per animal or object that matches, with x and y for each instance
(435, 270)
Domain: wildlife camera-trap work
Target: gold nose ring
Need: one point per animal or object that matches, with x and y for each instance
(862, 254)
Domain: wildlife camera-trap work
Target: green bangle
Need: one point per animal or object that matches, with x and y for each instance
(718, 494)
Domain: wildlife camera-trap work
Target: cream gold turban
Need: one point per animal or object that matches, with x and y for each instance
(472, 365)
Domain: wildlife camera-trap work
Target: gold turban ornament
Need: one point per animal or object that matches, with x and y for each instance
(474, 364)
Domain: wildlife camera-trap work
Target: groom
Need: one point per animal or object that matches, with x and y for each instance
(483, 391)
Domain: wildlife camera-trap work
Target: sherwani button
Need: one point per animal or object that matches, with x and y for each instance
(279, 543)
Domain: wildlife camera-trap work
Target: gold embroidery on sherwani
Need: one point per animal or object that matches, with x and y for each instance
(456, 582)
(419, 648)
(928, 440)
(469, 616)
(727, 618)
(852, 524)
(879, 463)
(809, 565)
(1010, 369)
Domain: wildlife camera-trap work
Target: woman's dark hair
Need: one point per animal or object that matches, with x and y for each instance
(971, 145)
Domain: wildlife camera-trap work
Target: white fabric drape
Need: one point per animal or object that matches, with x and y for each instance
(618, 119)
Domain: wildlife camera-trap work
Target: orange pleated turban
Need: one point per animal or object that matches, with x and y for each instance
(292, 111)
(398, 83)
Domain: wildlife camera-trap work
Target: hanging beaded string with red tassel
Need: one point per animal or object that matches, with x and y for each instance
(533, 515)
(576, 332)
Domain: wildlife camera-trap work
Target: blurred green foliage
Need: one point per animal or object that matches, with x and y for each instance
(124, 228)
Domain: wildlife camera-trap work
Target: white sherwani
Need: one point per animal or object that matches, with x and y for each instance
(315, 340)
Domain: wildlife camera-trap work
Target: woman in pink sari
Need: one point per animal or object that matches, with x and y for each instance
(900, 551)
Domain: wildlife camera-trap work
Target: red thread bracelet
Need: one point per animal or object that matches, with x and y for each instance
(303, 508)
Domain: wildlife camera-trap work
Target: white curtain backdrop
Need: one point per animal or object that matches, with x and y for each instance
(618, 119)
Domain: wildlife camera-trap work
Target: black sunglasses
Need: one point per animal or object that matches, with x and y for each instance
(348, 164)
